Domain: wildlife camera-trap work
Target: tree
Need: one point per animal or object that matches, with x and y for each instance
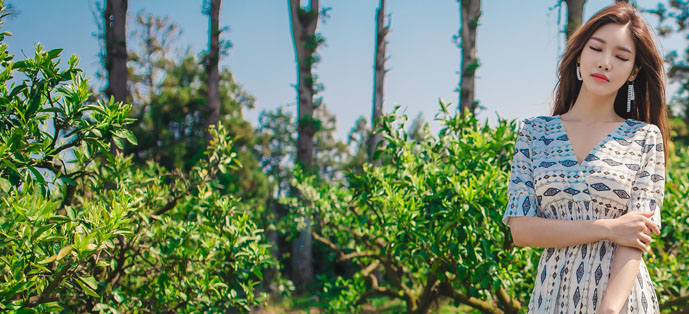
(575, 12)
(674, 19)
(153, 40)
(358, 142)
(212, 60)
(378, 79)
(276, 151)
(418, 130)
(306, 41)
(470, 12)
(275, 144)
(115, 19)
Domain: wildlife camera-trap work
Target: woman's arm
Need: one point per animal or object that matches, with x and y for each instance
(647, 194)
(632, 230)
(625, 268)
(546, 233)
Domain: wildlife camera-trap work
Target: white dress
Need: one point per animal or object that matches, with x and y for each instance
(624, 172)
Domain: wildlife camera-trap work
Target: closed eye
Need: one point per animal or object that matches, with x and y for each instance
(623, 59)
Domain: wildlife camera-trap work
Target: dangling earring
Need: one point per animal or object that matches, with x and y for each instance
(630, 95)
(578, 72)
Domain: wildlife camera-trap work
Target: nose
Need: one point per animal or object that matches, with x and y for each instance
(604, 65)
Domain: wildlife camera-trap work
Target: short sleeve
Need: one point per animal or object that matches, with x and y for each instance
(648, 188)
(521, 195)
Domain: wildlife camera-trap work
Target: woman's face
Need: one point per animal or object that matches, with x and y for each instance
(609, 52)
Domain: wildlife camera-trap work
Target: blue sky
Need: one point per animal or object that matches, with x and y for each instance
(518, 45)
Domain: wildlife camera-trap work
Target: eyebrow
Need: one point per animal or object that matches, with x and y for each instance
(618, 47)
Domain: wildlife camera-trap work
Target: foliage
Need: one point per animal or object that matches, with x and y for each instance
(169, 97)
(428, 220)
(669, 255)
(276, 147)
(329, 154)
(82, 230)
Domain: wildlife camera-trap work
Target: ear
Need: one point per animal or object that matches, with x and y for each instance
(635, 71)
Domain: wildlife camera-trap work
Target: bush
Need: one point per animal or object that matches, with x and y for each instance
(82, 230)
(428, 220)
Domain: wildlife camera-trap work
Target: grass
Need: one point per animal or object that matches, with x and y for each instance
(315, 304)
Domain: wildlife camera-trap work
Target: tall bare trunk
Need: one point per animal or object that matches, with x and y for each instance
(213, 98)
(115, 18)
(469, 16)
(304, 24)
(378, 78)
(575, 11)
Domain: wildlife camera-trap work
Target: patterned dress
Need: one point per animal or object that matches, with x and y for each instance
(624, 172)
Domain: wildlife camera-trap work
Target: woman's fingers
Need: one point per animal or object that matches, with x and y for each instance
(646, 239)
(640, 245)
(652, 225)
(647, 231)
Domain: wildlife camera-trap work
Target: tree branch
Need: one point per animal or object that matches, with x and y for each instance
(511, 306)
(45, 295)
(483, 306)
(678, 301)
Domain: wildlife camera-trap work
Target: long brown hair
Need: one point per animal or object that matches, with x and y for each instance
(649, 84)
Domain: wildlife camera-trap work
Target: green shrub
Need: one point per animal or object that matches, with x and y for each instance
(428, 220)
(82, 230)
(669, 258)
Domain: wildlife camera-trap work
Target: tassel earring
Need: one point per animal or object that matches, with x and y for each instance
(578, 72)
(630, 95)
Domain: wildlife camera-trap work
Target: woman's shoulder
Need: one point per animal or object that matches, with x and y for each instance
(537, 124)
(636, 128)
(545, 125)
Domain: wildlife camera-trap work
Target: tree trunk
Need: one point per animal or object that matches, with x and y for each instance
(575, 11)
(378, 79)
(470, 14)
(115, 19)
(304, 24)
(213, 98)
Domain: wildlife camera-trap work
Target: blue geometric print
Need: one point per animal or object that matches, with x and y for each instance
(624, 172)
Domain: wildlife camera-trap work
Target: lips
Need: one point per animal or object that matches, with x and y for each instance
(601, 76)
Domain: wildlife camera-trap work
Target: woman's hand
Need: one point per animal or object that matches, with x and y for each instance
(633, 229)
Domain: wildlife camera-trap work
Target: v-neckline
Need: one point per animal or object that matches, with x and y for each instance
(593, 150)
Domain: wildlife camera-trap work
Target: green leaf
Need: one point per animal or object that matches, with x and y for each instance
(90, 281)
(19, 65)
(258, 273)
(118, 142)
(37, 234)
(68, 180)
(5, 185)
(87, 289)
(64, 251)
(54, 53)
(130, 137)
(38, 175)
(48, 260)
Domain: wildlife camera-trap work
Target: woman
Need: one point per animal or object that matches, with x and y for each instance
(587, 183)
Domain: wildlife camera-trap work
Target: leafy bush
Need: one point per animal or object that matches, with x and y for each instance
(82, 230)
(428, 220)
(669, 256)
